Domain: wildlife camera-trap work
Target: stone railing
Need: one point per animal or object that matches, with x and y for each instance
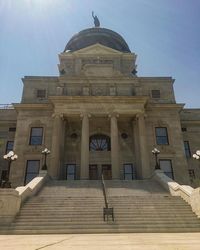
(12, 199)
(6, 106)
(189, 194)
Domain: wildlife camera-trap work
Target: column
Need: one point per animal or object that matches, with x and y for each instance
(54, 167)
(144, 156)
(84, 173)
(136, 148)
(114, 147)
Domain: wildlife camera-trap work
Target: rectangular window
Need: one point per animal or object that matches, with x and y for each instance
(162, 136)
(129, 172)
(155, 93)
(36, 136)
(71, 172)
(9, 146)
(166, 166)
(32, 170)
(12, 129)
(187, 149)
(184, 129)
(41, 93)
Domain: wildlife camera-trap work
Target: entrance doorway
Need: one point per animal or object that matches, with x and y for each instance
(93, 172)
(107, 172)
(129, 171)
(70, 171)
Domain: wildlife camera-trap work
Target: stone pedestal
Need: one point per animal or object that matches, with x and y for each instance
(10, 202)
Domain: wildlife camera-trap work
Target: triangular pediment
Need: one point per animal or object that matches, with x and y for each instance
(97, 49)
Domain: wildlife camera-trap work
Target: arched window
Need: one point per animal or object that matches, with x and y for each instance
(99, 142)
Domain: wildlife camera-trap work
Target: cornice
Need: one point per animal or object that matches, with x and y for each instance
(32, 106)
(190, 121)
(178, 106)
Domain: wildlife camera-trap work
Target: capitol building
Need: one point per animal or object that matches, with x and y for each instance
(97, 116)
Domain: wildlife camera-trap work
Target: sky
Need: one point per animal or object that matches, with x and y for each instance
(165, 35)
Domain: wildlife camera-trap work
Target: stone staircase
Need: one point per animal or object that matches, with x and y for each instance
(77, 207)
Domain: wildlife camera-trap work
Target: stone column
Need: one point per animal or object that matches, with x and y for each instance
(84, 171)
(114, 147)
(136, 148)
(54, 167)
(144, 156)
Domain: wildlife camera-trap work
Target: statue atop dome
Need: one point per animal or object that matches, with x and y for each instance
(96, 20)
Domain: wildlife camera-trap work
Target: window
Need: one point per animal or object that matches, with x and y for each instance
(12, 129)
(99, 142)
(9, 146)
(184, 129)
(166, 166)
(36, 136)
(129, 172)
(71, 172)
(41, 93)
(155, 93)
(191, 173)
(161, 136)
(187, 149)
(32, 170)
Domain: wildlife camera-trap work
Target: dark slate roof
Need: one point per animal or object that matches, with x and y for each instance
(95, 35)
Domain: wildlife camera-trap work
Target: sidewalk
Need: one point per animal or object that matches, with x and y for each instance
(157, 241)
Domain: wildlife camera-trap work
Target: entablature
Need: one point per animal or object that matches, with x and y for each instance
(98, 104)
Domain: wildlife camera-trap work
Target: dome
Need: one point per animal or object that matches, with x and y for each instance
(95, 35)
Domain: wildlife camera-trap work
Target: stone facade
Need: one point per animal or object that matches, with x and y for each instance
(98, 93)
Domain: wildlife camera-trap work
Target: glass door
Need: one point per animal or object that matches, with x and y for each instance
(71, 172)
(166, 166)
(106, 171)
(129, 172)
(93, 172)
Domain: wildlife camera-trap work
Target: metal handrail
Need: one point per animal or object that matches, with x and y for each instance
(107, 211)
(104, 191)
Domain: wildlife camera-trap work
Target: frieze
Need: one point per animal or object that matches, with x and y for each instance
(96, 61)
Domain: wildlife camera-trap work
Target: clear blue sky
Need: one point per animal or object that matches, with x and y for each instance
(165, 34)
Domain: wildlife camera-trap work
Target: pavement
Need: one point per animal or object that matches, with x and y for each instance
(150, 241)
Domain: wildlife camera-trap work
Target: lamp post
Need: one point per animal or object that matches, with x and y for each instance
(156, 152)
(45, 152)
(197, 155)
(10, 157)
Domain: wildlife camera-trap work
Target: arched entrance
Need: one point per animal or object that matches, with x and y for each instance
(99, 145)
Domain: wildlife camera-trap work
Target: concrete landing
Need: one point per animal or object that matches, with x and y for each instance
(158, 241)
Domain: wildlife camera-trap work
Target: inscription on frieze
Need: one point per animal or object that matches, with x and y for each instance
(96, 61)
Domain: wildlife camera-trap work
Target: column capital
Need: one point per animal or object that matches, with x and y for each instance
(82, 115)
(58, 115)
(116, 115)
(140, 115)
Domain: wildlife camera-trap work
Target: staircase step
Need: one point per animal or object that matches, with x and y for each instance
(77, 207)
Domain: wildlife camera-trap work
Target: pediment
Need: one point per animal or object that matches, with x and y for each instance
(97, 49)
